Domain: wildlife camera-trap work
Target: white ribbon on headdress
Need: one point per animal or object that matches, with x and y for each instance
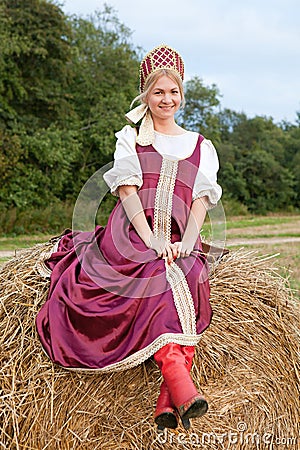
(146, 129)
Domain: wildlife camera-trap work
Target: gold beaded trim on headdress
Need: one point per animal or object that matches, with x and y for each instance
(161, 57)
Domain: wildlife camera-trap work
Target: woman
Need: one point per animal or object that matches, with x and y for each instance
(139, 287)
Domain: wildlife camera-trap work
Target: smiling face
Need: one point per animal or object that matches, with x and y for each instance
(164, 98)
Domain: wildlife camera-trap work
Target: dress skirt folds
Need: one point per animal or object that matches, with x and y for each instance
(112, 302)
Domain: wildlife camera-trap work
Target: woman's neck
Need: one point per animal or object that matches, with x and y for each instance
(167, 127)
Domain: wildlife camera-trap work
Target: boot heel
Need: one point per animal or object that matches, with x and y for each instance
(186, 423)
(196, 407)
(166, 420)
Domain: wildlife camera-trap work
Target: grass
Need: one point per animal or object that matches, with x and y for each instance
(3, 260)
(253, 221)
(12, 244)
(18, 242)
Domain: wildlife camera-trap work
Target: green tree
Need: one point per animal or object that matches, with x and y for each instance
(105, 68)
(269, 185)
(35, 55)
(65, 85)
(228, 121)
(253, 163)
(201, 108)
(37, 169)
(292, 157)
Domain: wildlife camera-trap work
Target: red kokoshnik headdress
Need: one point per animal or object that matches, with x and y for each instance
(161, 57)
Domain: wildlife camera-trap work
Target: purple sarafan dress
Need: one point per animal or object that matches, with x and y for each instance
(112, 302)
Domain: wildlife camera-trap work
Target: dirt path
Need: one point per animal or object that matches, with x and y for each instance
(261, 241)
(7, 253)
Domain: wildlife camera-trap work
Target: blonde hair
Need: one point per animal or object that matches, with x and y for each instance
(151, 80)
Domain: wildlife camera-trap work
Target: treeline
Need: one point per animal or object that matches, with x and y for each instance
(65, 84)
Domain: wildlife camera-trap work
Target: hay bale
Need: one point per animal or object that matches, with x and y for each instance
(247, 364)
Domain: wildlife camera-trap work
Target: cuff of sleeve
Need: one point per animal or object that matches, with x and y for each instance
(212, 196)
(130, 181)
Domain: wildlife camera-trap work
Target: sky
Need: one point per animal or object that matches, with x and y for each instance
(249, 49)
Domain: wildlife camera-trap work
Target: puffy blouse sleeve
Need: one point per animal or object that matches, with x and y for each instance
(206, 179)
(126, 169)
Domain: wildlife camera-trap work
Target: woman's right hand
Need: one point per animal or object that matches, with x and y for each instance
(163, 248)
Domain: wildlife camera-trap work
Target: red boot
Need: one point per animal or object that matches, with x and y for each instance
(165, 413)
(188, 352)
(175, 363)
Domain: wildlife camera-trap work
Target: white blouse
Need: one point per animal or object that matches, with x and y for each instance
(127, 169)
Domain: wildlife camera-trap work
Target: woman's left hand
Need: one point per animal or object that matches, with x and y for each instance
(184, 248)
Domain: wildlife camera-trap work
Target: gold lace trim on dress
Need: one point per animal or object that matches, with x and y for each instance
(145, 353)
(183, 299)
